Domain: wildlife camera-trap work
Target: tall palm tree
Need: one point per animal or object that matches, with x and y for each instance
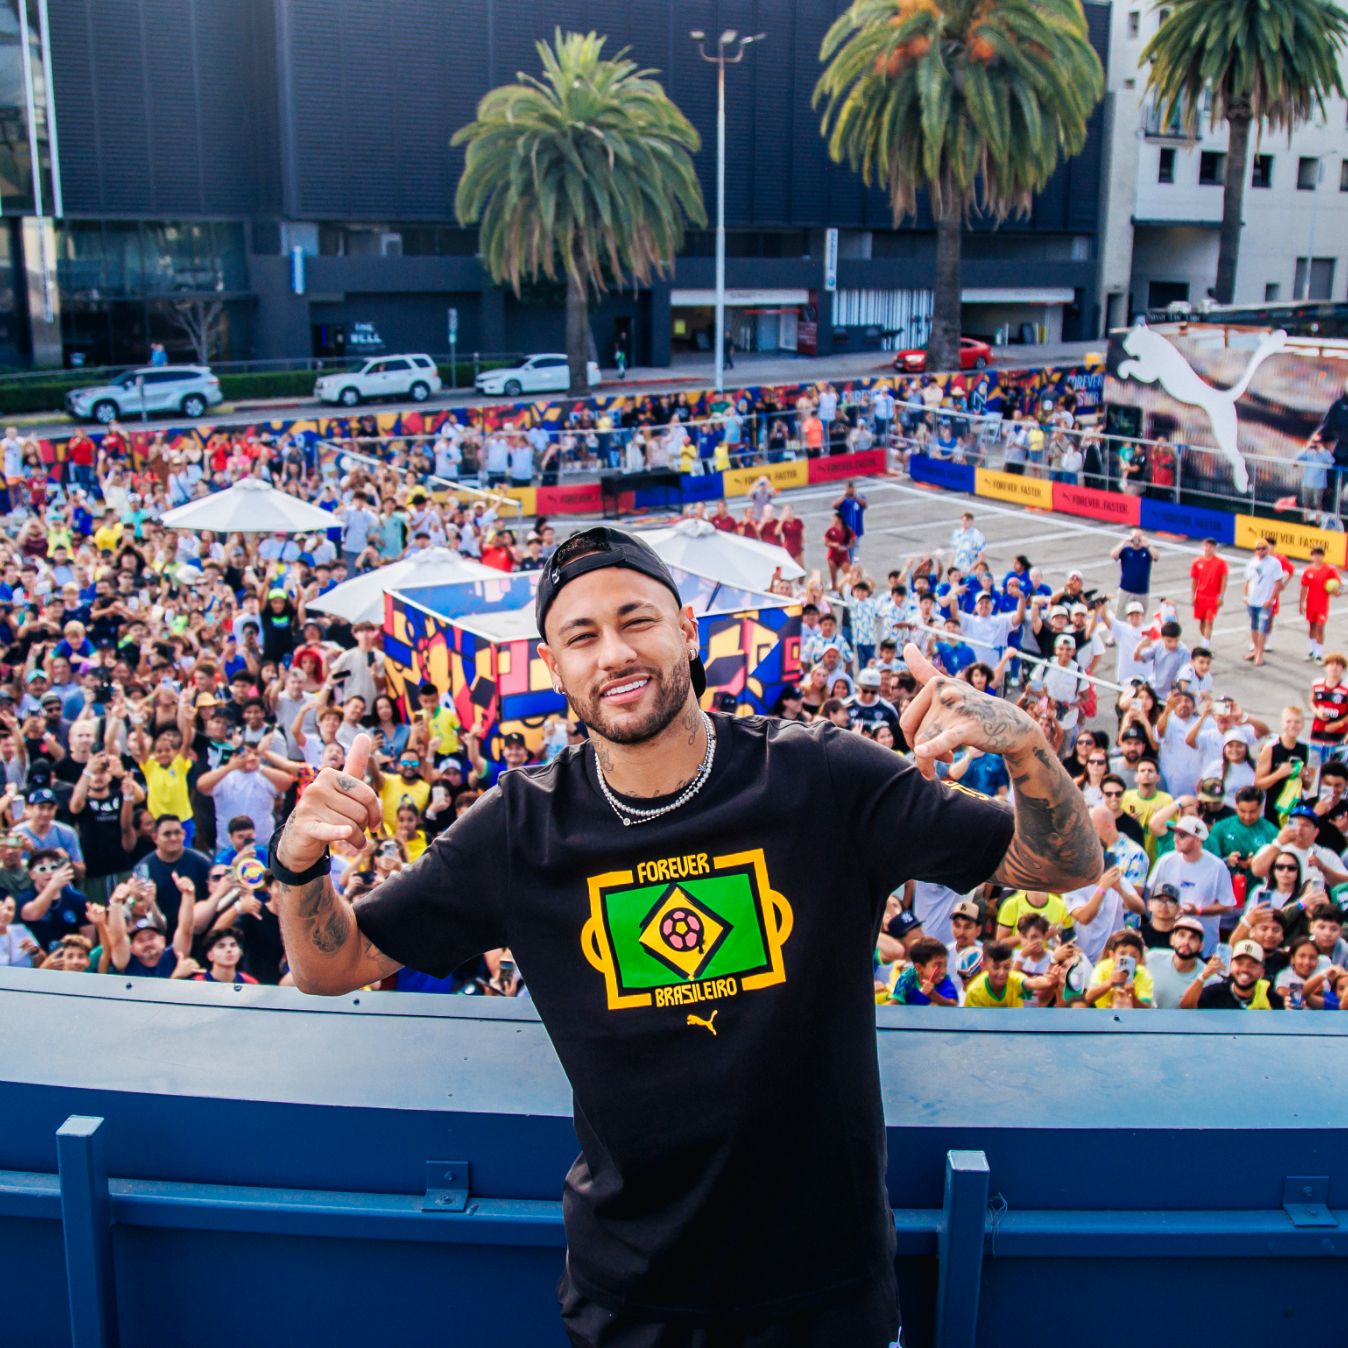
(975, 101)
(586, 174)
(1269, 63)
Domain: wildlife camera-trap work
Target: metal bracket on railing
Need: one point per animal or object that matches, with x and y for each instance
(447, 1185)
(1305, 1200)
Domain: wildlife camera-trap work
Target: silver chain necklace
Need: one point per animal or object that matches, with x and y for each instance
(629, 814)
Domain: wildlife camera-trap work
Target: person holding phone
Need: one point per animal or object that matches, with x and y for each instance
(1124, 968)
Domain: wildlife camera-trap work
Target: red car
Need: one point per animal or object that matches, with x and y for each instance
(974, 355)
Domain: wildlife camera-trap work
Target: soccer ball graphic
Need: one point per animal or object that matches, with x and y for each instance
(682, 930)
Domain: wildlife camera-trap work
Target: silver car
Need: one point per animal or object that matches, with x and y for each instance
(184, 389)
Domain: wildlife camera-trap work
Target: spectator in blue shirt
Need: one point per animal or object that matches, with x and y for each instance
(1134, 556)
(851, 505)
(51, 907)
(42, 830)
(951, 654)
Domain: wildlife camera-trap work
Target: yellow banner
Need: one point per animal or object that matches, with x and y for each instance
(740, 481)
(1024, 491)
(1292, 540)
(526, 496)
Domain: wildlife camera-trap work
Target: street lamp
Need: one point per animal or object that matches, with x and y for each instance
(722, 58)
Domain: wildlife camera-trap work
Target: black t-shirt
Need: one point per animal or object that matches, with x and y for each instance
(167, 894)
(706, 980)
(1282, 754)
(100, 828)
(1219, 997)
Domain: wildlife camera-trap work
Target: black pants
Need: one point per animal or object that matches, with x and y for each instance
(869, 1319)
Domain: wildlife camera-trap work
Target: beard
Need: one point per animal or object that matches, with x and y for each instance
(671, 695)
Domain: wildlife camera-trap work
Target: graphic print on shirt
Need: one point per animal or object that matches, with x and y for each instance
(681, 930)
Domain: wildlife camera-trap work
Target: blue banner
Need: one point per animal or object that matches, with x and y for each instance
(941, 473)
(1190, 521)
(703, 487)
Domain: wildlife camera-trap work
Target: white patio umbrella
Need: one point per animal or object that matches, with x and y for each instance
(699, 546)
(251, 506)
(361, 599)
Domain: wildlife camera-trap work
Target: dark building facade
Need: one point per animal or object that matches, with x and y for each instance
(290, 160)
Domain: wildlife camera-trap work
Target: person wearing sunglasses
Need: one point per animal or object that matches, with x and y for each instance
(51, 907)
(1091, 780)
(411, 783)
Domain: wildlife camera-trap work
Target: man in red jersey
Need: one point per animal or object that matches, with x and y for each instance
(1329, 709)
(1209, 574)
(1318, 581)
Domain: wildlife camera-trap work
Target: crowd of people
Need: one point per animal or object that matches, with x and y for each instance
(167, 695)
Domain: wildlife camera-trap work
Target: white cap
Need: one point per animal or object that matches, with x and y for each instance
(1134, 607)
(1075, 575)
(1192, 824)
(1058, 611)
(1079, 608)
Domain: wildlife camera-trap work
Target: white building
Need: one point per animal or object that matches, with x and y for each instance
(1163, 198)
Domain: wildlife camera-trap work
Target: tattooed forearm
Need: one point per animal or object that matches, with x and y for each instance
(326, 921)
(1055, 846)
(376, 957)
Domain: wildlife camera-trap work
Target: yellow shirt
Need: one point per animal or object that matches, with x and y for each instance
(108, 536)
(687, 456)
(1016, 905)
(415, 845)
(720, 458)
(166, 787)
(394, 791)
(1142, 984)
(980, 993)
(1142, 811)
(444, 727)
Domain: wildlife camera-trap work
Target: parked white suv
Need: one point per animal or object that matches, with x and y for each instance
(188, 389)
(411, 377)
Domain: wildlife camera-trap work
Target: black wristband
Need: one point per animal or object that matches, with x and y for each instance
(288, 877)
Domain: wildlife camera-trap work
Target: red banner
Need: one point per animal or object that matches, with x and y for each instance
(580, 498)
(864, 463)
(1111, 506)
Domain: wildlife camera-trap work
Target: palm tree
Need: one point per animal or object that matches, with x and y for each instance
(1265, 62)
(974, 101)
(586, 174)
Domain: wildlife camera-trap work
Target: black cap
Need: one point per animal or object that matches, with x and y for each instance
(608, 547)
(514, 740)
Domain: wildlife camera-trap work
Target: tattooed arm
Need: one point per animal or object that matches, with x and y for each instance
(325, 949)
(1055, 846)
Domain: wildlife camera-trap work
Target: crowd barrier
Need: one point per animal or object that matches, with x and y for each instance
(1170, 517)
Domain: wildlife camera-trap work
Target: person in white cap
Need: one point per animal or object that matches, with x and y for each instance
(1244, 989)
(1202, 880)
(1127, 633)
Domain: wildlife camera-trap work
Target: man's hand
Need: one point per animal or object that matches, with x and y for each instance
(947, 715)
(337, 805)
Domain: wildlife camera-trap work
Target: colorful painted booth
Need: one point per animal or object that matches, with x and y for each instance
(478, 640)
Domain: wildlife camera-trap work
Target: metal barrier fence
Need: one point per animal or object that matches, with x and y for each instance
(1090, 457)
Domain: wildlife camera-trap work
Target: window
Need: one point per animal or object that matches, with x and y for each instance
(1165, 169)
(1211, 168)
(1314, 279)
(1164, 15)
(1263, 171)
(1308, 173)
(1134, 22)
(1343, 176)
(1272, 292)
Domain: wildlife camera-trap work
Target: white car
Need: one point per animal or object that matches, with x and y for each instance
(538, 374)
(412, 377)
(189, 389)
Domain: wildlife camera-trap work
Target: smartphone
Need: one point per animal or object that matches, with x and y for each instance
(505, 972)
(1222, 708)
(1294, 994)
(1128, 964)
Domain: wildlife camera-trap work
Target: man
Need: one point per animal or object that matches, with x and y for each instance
(1097, 910)
(102, 804)
(1208, 575)
(989, 633)
(967, 543)
(359, 672)
(1135, 557)
(142, 951)
(1245, 989)
(1237, 838)
(1120, 848)
(224, 959)
(867, 708)
(1318, 582)
(1162, 915)
(1181, 763)
(1264, 579)
(1329, 709)
(1331, 806)
(51, 907)
(851, 506)
(1173, 973)
(1127, 636)
(1203, 881)
(622, 648)
(42, 830)
(966, 950)
(170, 862)
(245, 786)
(1145, 799)
(411, 784)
